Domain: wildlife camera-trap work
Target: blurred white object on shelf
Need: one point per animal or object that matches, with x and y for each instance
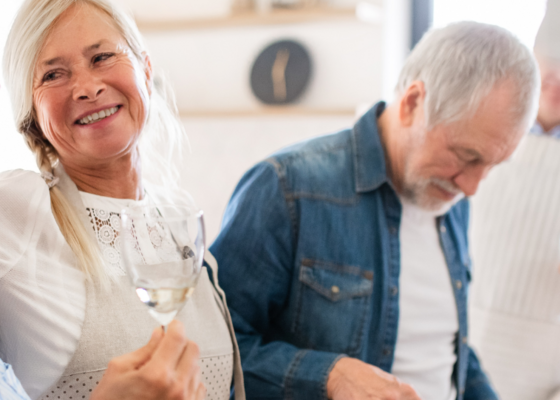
(263, 6)
(164, 10)
(369, 12)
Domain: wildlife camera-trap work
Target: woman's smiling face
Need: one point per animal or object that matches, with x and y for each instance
(90, 92)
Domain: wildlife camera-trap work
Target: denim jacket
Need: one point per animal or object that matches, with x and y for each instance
(309, 261)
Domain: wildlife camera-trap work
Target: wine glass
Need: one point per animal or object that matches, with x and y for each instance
(163, 251)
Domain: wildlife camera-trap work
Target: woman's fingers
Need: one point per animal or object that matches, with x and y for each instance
(201, 392)
(188, 364)
(179, 357)
(171, 347)
(139, 357)
(188, 370)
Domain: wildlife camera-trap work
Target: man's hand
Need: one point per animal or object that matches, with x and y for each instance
(166, 368)
(352, 379)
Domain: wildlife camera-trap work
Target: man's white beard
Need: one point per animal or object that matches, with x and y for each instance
(415, 191)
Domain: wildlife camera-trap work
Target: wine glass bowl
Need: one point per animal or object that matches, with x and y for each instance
(163, 251)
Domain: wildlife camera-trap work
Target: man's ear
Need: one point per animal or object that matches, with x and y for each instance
(148, 72)
(412, 103)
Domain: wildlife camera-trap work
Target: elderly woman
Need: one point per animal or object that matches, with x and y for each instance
(81, 86)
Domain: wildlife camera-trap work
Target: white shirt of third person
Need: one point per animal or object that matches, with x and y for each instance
(428, 320)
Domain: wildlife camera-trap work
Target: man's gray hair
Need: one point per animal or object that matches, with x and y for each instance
(461, 63)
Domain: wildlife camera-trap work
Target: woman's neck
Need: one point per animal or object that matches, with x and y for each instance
(119, 179)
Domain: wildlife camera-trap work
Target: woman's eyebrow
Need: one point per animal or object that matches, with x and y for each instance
(95, 46)
(87, 49)
(52, 61)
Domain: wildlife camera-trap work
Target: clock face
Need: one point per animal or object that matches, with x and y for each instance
(281, 72)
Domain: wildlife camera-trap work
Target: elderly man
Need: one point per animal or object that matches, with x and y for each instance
(345, 258)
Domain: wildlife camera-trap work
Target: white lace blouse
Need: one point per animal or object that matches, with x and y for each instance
(43, 294)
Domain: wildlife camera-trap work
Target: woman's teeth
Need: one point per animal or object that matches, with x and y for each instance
(90, 119)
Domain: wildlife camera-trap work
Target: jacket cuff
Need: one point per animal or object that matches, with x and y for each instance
(308, 374)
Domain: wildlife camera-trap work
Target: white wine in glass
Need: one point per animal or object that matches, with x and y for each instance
(163, 247)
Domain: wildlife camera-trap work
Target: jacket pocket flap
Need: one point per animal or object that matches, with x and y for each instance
(336, 282)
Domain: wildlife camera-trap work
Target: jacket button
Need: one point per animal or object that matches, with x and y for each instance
(458, 284)
(442, 229)
(465, 340)
(393, 230)
(394, 290)
(335, 289)
(387, 352)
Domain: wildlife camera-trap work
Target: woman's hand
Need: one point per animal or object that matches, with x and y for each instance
(166, 368)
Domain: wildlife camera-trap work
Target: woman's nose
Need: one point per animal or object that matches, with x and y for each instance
(87, 86)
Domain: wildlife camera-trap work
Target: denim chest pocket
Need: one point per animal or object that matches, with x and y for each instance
(332, 306)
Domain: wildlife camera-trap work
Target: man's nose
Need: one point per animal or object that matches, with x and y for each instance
(469, 179)
(87, 86)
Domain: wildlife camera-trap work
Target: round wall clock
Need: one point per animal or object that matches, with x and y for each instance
(281, 72)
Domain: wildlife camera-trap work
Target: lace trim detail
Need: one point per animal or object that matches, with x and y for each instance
(107, 226)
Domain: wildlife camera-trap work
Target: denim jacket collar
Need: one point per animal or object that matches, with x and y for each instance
(369, 158)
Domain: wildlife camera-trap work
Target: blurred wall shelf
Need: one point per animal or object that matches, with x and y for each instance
(252, 18)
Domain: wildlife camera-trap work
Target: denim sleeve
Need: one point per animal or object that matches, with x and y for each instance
(478, 386)
(255, 253)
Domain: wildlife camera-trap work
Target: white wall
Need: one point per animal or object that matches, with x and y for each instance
(522, 17)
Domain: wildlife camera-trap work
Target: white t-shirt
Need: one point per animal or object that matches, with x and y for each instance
(428, 319)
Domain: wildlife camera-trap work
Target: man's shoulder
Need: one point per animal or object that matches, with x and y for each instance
(338, 142)
(322, 165)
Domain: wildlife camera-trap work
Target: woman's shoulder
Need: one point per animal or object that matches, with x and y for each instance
(17, 174)
(24, 198)
(17, 185)
(21, 189)
(20, 179)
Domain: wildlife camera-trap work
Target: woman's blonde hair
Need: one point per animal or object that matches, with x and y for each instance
(163, 130)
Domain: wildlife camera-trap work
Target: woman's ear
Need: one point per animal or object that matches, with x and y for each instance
(411, 103)
(148, 72)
